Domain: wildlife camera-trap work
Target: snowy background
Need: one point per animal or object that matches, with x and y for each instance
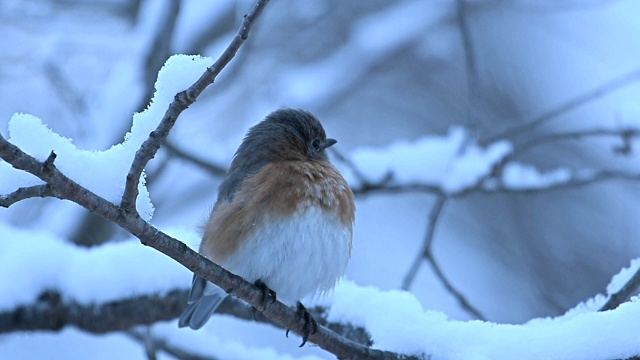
(417, 93)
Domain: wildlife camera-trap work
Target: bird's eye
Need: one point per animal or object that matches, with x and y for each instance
(316, 144)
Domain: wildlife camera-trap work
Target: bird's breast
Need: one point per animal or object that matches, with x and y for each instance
(289, 225)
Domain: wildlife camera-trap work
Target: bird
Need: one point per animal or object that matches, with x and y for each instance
(283, 218)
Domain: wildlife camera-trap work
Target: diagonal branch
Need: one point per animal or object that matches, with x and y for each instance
(181, 101)
(65, 188)
(630, 288)
(25, 193)
(211, 168)
(600, 91)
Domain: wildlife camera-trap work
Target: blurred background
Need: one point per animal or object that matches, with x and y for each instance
(375, 72)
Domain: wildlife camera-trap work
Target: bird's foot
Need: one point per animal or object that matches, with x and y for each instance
(310, 324)
(268, 296)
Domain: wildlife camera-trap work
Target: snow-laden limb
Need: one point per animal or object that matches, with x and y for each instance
(451, 162)
(623, 285)
(453, 165)
(66, 188)
(518, 176)
(33, 262)
(102, 172)
(397, 321)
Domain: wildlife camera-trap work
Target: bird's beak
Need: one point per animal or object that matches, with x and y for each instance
(328, 143)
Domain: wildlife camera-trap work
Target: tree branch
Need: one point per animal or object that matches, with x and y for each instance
(65, 188)
(25, 193)
(51, 313)
(425, 251)
(147, 340)
(624, 133)
(470, 64)
(602, 90)
(181, 101)
(211, 168)
(630, 288)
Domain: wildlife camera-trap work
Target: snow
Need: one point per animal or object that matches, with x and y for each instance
(395, 319)
(109, 272)
(397, 322)
(103, 172)
(520, 176)
(451, 162)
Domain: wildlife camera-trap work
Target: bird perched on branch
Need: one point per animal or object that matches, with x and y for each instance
(283, 218)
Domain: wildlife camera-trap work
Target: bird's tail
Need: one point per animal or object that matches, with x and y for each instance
(203, 300)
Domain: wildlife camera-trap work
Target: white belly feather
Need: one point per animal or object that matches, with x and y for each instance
(295, 256)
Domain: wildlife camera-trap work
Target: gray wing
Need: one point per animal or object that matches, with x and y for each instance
(203, 300)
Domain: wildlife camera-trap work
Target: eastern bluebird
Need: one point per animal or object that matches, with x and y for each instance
(283, 218)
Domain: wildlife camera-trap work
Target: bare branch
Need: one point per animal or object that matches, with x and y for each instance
(148, 340)
(181, 101)
(624, 294)
(51, 313)
(462, 300)
(600, 91)
(624, 133)
(470, 63)
(578, 180)
(425, 252)
(204, 164)
(25, 193)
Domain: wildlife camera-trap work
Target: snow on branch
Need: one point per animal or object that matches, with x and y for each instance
(453, 166)
(181, 101)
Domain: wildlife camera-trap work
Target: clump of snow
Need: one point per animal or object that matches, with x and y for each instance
(35, 261)
(520, 176)
(397, 322)
(103, 172)
(623, 276)
(451, 162)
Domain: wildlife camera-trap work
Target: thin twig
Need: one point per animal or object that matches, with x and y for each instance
(425, 251)
(211, 168)
(25, 193)
(600, 91)
(623, 133)
(462, 300)
(624, 294)
(161, 344)
(470, 64)
(181, 101)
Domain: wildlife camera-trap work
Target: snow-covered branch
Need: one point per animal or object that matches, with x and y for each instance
(181, 101)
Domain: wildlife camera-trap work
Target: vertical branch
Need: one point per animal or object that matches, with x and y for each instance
(470, 64)
(425, 252)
